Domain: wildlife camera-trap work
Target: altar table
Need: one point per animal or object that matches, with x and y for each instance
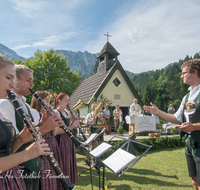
(143, 123)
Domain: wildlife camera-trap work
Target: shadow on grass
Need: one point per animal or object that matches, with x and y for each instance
(150, 172)
(85, 178)
(120, 187)
(133, 177)
(146, 180)
(151, 151)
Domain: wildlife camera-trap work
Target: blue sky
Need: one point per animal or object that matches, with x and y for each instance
(148, 34)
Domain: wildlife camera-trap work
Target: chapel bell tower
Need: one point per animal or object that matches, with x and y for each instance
(107, 57)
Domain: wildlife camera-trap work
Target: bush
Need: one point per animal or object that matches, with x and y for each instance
(162, 143)
(120, 129)
(156, 143)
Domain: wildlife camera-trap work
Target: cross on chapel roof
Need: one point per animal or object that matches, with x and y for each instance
(107, 36)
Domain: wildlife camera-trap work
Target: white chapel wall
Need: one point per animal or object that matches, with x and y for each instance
(119, 95)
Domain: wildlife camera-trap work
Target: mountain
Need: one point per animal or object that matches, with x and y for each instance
(170, 64)
(79, 61)
(10, 53)
(83, 61)
(130, 74)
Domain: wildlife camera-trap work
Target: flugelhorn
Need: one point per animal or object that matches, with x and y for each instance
(79, 104)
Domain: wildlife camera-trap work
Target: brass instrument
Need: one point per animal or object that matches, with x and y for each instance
(99, 107)
(79, 104)
(74, 113)
(99, 119)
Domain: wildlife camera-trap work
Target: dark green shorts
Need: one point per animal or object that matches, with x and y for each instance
(192, 153)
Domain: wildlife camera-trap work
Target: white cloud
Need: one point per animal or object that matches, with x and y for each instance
(30, 8)
(44, 17)
(48, 41)
(36, 8)
(153, 34)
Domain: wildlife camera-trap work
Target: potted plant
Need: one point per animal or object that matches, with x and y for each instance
(120, 129)
(151, 134)
(157, 134)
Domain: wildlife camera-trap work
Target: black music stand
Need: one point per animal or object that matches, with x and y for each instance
(87, 143)
(126, 159)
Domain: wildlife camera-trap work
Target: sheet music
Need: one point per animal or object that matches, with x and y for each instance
(119, 160)
(173, 126)
(92, 137)
(102, 148)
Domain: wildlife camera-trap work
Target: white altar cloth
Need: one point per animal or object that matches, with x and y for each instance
(143, 123)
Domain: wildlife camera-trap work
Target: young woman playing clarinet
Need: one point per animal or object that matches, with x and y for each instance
(67, 149)
(46, 182)
(10, 139)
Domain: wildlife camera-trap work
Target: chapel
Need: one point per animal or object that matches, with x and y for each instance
(110, 82)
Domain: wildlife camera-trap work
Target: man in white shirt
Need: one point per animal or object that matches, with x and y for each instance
(92, 121)
(188, 114)
(135, 108)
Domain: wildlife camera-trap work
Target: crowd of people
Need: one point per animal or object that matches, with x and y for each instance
(19, 151)
(20, 154)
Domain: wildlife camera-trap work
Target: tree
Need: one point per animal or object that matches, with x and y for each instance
(197, 56)
(147, 96)
(52, 73)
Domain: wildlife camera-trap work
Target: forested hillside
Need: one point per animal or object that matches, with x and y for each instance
(162, 87)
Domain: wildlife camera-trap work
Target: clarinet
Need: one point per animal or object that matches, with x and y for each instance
(77, 143)
(65, 183)
(81, 130)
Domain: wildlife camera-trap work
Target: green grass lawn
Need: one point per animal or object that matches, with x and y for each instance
(164, 169)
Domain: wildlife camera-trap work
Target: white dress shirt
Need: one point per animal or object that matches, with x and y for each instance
(9, 110)
(192, 96)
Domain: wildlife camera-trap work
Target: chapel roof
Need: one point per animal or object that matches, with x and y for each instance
(109, 49)
(94, 85)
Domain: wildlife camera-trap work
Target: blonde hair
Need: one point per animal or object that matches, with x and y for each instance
(19, 70)
(4, 61)
(34, 102)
